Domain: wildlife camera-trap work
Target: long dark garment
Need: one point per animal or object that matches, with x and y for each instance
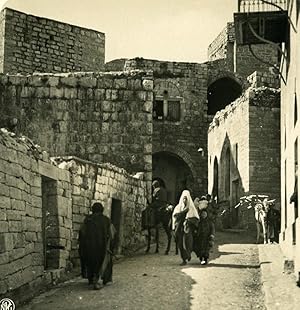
(184, 234)
(107, 266)
(179, 235)
(93, 238)
(203, 240)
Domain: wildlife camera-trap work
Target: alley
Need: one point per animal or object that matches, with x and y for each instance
(231, 280)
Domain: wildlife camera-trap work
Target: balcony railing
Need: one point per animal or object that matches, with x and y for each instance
(247, 6)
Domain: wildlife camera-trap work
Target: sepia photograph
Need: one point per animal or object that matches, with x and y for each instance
(149, 154)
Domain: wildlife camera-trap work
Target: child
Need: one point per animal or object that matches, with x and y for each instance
(206, 234)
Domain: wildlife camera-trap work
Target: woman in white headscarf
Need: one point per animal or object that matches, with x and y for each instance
(185, 222)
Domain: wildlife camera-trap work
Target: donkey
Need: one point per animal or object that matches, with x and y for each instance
(261, 206)
(164, 217)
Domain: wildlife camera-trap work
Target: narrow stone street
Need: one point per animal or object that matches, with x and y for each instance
(231, 280)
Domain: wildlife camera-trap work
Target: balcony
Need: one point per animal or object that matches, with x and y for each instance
(260, 21)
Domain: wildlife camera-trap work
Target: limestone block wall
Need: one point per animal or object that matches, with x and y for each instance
(36, 44)
(102, 117)
(122, 195)
(222, 136)
(43, 202)
(223, 46)
(245, 63)
(264, 142)
(239, 59)
(259, 79)
(35, 216)
(186, 82)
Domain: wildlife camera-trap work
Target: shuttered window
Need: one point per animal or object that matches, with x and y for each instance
(173, 110)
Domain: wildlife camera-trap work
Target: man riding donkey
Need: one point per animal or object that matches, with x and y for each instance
(158, 212)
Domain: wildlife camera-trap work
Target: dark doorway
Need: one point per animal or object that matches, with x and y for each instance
(174, 174)
(221, 93)
(50, 225)
(115, 217)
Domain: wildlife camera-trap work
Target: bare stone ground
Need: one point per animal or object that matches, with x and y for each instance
(155, 281)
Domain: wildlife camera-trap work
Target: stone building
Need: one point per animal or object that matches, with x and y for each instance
(290, 132)
(244, 148)
(33, 44)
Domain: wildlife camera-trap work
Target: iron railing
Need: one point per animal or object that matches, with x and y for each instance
(246, 6)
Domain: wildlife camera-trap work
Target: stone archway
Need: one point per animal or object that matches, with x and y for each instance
(174, 172)
(222, 92)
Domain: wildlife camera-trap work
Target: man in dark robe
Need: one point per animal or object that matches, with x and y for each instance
(93, 240)
(159, 199)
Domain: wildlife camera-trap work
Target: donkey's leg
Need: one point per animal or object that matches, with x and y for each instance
(263, 224)
(169, 235)
(257, 231)
(148, 240)
(157, 238)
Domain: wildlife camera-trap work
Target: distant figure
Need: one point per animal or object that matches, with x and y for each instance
(273, 223)
(203, 203)
(94, 238)
(206, 235)
(185, 224)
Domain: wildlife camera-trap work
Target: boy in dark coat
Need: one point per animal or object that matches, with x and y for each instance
(206, 235)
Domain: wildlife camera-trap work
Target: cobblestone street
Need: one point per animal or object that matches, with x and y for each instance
(231, 280)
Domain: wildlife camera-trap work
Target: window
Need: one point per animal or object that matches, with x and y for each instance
(158, 110)
(173, 110)
(166, 109)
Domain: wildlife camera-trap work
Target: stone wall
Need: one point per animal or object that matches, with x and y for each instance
(115, 65)
(245, 63)
(35, 216)
(259, 79)
(44, 201)
(186, 83)
(239, 59)
(264, 142)
(101, 117)
(110, 185)
(253, 159)
(222, 47)
(35, 44)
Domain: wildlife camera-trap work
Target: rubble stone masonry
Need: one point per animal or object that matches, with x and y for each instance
(35, 44)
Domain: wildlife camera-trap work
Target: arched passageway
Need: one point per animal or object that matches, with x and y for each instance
(173, 172)
(220, 93)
